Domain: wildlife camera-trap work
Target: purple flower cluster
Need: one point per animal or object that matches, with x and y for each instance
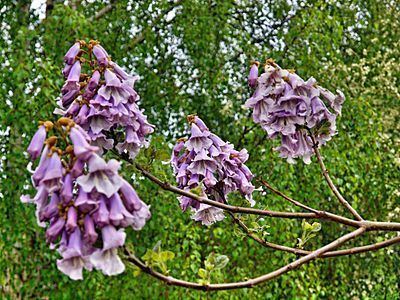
(213, 166)
(82, 200)
(288, 107)
(103, 102)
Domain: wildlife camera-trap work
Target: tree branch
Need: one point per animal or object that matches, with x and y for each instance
(251, 282)
(297, 251)
(104, 10)
(330, 182)
(238, 209)
(297, 203)
(370, 225)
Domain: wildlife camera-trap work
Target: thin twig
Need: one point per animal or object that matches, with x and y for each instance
(250, 282)
(104, 10)
(295, 202)
(330, 182)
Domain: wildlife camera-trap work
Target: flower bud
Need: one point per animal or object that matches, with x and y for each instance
(36, 145)
(70, 56)
(253, 75)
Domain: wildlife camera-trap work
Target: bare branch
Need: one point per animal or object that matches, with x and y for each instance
(104, 10)
(370, 225)
(330, 182)
(251, 282)
(238, 209)
(297, 203)
(297, 251)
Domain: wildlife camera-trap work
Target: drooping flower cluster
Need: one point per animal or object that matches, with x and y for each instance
(103, 101)
(81, 199)
(288, 107)
(206, 163)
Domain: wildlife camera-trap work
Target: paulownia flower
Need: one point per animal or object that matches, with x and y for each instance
(78, 196)
(290, 108)
(206, 162)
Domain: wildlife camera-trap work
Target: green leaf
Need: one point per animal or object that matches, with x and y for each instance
(306, 226)
(157, 247)
(315, 227)
(148, 256)
(166, 255)
(136, 271)
(221, 261)
(209, 266)
(203, 273)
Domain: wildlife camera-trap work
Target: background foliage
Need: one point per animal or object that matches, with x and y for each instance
(193, 57)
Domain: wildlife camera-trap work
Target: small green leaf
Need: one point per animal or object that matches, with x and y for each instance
(167, 255)
(148, 256)
(197, 191)
(203, 273)
(157, 247)
(315, 227)
(306, 226)
(221, 261)
(136, 271)
(209, 266)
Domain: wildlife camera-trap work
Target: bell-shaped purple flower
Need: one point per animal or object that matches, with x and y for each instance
(119, 215)
(186, 202)
(42, 167)
(102, 215)
(53, 174)
(73, 260)
(71, 88)
(71, 54)
(91, 86)
(90, 234)
(66, 70)
(140, 217)
(40, 200)
(72, 219)
(36, 145)
(101, 55)
(102, 176)
(201, 163)
(51, 210)
(125, 77)
(86, 202)
(55, 229)
(130, 197)
(335, 101)
(82, 115)
(108, 262)
(66, 189)
(198, 139)
(208, 215)
(114, 88)
(102, 142)
(107, 259)
(82, 148)
(77, 168)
